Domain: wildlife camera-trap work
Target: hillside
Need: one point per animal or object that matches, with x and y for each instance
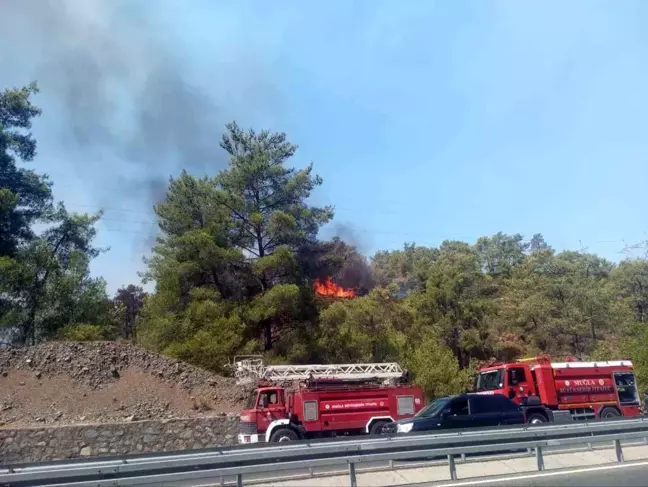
(77, 382)
(247, 262)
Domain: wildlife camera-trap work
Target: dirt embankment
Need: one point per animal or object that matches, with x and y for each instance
(79, 382)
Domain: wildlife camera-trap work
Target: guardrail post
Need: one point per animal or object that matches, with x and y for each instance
(453, 467)
(239, 480)
(539, 458)
(618, 450)
(353, 482)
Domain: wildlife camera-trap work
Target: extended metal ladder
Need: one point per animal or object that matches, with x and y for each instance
(251, 369)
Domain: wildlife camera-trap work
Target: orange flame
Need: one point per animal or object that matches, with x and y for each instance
(329, 288)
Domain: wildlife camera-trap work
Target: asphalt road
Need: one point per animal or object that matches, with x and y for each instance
(614, 476)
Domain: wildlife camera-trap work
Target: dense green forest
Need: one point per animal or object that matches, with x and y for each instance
(238, 257)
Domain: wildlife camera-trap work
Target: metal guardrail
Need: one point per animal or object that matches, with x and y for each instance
(212, 465)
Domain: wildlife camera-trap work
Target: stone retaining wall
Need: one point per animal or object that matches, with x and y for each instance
(18, 445)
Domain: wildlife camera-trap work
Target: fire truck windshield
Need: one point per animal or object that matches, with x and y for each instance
(489, 380)
(626, 388)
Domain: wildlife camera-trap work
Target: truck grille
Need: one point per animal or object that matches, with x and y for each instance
(247, 428)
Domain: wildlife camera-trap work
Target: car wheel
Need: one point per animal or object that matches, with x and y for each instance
(609, 412)
(283, 435)
(536, 418)
(377, 427)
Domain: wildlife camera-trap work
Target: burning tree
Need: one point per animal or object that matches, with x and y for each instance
(329, 288)
(336, 269)
(239, 269)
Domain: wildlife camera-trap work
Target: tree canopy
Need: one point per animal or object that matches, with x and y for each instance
(45, 284)
(239, 266)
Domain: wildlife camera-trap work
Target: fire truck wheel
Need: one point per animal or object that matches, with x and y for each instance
(377, 427)
(608, 412)
(536, 418)
(283, 434)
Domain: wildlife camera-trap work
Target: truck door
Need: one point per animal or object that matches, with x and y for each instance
(518, 383)
(270, 406)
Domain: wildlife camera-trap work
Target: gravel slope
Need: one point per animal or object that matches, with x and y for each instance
(78, 382)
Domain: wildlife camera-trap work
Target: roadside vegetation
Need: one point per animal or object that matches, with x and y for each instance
(239, 268)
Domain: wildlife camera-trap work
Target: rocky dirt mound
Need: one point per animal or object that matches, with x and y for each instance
(72, 382)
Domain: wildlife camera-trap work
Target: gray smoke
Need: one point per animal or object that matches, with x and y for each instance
(346, 232)
(127, 108)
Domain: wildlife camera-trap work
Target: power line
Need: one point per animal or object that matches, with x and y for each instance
(376, 232)
(404, 236)
(148, 212)
(154, 222)
(402, 240)
(118, 188)
(353, 230)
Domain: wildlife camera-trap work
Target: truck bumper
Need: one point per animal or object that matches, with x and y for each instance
(248, 439)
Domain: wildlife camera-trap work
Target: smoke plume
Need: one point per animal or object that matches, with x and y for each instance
(128, 109)
(348, 233)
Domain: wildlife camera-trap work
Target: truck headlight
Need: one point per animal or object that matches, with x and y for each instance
(404, 428)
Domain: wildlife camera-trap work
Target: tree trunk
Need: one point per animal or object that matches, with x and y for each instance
(267, 334)
(31, 335)
(38, 286)
(457, 348)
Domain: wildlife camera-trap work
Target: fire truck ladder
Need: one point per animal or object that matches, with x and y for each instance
(250, 370)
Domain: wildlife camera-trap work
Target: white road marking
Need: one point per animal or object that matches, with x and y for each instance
(543, 474)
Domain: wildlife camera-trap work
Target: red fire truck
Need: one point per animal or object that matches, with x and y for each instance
(587, 390)
(312, 401)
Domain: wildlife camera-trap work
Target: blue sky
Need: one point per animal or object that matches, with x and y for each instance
(428, 120)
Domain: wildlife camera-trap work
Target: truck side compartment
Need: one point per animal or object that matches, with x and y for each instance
(325, 408)
(587, 390)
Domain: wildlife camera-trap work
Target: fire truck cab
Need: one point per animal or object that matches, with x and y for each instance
(588, 390)
(323, 400)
